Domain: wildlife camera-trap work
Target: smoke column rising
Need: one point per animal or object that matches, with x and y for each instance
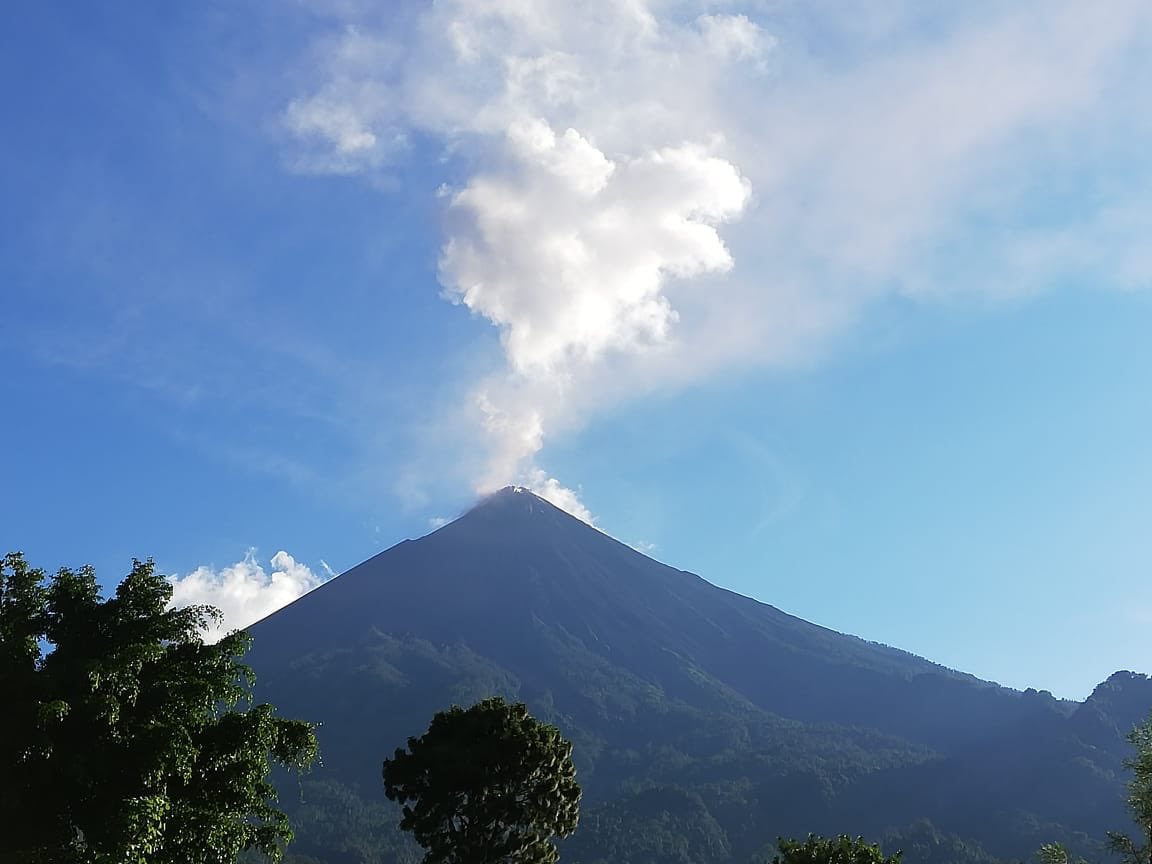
(588, 200)
(663, 189)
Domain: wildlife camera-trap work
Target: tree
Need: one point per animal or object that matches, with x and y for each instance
(1057, 853)
(837, 850)
(1139, 798)
(122, 737)
(487, 785)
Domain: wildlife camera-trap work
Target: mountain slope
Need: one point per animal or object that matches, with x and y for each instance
(767, 723)
(516, 568)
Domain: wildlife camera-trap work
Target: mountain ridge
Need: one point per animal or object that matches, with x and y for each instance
(503, 512)
(664, 680)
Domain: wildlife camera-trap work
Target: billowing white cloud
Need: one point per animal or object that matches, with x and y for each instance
(549, 489)
(245, 592)
(568, 251)
(657, 189)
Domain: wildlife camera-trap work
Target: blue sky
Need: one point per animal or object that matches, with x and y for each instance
(847, 309)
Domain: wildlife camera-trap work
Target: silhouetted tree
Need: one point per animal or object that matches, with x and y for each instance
(1057, 853)
(486, 785)
(120, 736)
(835, 850)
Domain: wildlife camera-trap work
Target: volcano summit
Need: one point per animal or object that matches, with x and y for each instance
(705, 723)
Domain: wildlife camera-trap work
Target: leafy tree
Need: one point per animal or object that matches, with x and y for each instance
(1057, 853)
(487, 785)
(122, 738)
(836, 850)
(1139, 799)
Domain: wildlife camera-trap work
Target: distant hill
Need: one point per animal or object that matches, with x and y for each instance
(705, 723)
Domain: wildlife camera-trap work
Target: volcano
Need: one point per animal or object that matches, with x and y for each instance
(705, 723)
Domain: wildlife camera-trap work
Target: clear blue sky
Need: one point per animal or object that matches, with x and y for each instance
(846, 310)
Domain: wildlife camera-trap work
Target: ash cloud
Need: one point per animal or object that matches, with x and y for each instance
(661, 190)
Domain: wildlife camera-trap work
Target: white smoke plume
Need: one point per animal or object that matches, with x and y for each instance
(245, 592)
(659, 189)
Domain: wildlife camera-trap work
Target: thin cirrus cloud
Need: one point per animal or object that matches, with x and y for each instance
(657, 191)
(245, 592)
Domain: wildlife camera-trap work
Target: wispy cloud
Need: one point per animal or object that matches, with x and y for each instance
(245, 592)
(653, 191)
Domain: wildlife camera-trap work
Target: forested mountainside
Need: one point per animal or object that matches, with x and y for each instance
(705, 723)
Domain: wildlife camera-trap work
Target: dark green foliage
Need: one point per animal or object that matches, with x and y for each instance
(1057, 853)
(486, 785)
(1138, 850)
(836, 850)
(122, 738)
